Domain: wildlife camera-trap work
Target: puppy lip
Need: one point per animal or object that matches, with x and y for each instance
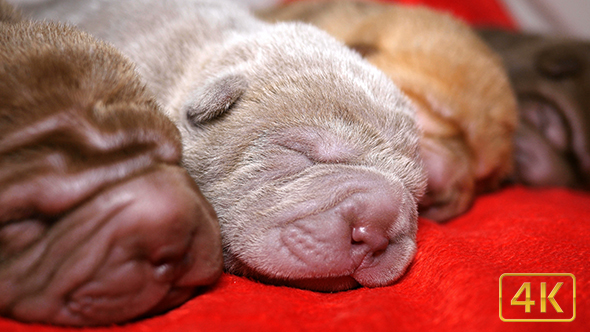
(320, 284)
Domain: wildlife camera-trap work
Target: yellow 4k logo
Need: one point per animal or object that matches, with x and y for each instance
(526, 287)
(537, 297)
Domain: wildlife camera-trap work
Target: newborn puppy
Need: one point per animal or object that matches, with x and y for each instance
(465, 106)
(308, 154)
(98, 222)
(551, 77)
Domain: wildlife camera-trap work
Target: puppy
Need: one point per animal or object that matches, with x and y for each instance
(99, 224)
(551, 77)
(308, 154)
(465, 107)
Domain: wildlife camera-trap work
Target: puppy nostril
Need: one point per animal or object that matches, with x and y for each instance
(171, 268)
(359, 235)
(165, 272)
(376, 241)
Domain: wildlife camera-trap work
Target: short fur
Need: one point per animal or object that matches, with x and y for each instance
(465, 105)
(88, 168)
(308, 153)
(551, 77)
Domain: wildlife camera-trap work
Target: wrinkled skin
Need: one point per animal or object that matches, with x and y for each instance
(551, 77)
(308, 154)
(465, 107)
(98, 222)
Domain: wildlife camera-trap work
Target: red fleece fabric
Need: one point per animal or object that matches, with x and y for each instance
(453, 283)
(475, 12)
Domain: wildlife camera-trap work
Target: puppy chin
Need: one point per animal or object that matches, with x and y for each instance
(328, 284)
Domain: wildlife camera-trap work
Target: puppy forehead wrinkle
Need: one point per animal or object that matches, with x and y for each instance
(318, 47)
(302, 65)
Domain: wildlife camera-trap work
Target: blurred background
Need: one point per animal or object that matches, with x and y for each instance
(555, 17)
(558, 17)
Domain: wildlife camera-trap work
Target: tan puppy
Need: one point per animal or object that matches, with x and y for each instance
(308, 153)
(465, 106)
(98, 222)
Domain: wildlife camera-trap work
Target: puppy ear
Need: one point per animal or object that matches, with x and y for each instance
(214, 98)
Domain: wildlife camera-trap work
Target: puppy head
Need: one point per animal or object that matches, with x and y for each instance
(551, 77)
(99, 224)
(465, 106)
(310, 158)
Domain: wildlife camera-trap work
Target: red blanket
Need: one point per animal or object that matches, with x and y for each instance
(452, 285)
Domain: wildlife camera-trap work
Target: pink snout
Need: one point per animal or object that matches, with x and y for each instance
(367, 237)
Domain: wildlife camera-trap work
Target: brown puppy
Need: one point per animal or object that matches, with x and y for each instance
(98, 223)
(551, 77)
(465, 105)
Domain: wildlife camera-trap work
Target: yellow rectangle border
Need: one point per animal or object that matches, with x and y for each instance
(538, 275)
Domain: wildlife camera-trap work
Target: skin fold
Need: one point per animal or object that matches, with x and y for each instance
(99, 224)
(308, 153)
(551, 77)
(466, 109)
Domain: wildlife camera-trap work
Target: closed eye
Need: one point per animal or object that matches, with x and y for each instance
(303, 150)
(285, 162)
(316, 144)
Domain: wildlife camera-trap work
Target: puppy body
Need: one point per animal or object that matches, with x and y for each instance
(308, 153)
(99, 224)
(465, 106)
(551, 78)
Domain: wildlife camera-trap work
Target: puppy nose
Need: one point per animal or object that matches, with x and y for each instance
(373, 238)
(371, 216)
(382, 233)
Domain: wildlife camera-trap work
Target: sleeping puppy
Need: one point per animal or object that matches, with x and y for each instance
(98, 222)
(551, 77)
(465, 106)
(308, 154)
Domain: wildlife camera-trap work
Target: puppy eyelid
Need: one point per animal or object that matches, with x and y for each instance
(320, 148)
(299, 149)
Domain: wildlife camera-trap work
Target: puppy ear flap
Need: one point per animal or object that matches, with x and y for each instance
(214, 98)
